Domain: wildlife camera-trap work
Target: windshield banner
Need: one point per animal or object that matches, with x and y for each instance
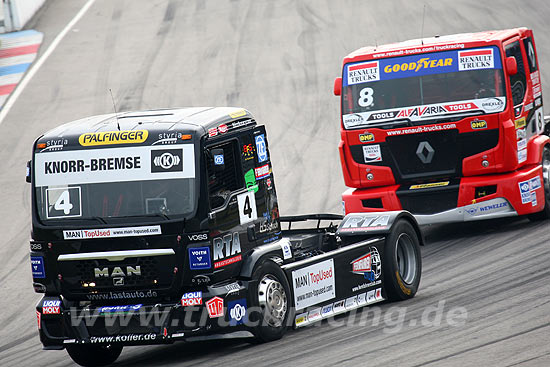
(422, 64)
(417, 113)
(114, 165)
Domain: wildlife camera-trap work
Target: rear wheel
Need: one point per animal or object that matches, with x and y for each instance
(545, 213)
(94, 355)
(271, 298)
(403, 264)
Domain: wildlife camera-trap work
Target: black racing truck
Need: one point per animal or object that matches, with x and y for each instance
(157, 226)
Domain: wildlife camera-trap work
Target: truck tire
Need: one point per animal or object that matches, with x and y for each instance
(402, 264)
(94, 355)
(270, 297)
(545, 213)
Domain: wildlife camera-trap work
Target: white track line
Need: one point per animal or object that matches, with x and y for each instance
(34, 68)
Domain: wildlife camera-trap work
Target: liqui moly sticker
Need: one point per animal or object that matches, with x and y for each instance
(363, 72)
(476, 59)
(372, 153)
(191, 299)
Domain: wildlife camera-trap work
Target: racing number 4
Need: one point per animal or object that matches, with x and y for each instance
(247, 210)
(366, 97)
(247, 207)
(63, 202)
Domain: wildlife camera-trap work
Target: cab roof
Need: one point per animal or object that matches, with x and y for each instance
(196, 120)
(434, 44)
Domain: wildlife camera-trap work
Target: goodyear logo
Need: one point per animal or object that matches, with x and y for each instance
(478, 124)
(113, 137)
(416, 66)
(429, 185)
(520, 123)
(366, 137)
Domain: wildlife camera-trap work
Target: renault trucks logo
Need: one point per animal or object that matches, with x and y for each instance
(425, 152)
(166, 160)
(117, 271)
(364, 72)
(476, 59)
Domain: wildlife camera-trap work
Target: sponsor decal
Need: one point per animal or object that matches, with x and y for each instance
(488, 207)
(368, 265)
(268, 183)
(421, 129)
(301, 320)
(113, 165)
(492, 104)
(170, 138)
(214, 307)
(261, 148)
(225, 248)
(37, 267)
(232, 287)
(352, 120)
(191, 299)
(363, 72)
(212, 132)
(120, 338)
(51, 307)
(83, 234)
(121, 295)
(372, 153)
(366, 137)
(422, 111)
(378, 294)
(236, 114)
(339, 307)
(522, 156)
(522, 144)
(199, 258)
(371, 296)
(327, 310)
(53, 145)
(197, 237)
(314, 315)
(418, 65)
(375, 116)
(262, 172)
(528, 107)
(218, 160)
(250, 179)
(362, 299)
(478, 124)
(520, 123)
(38, 319)
(113, 137)
(476, 59)
(363, 222)
(248, 152)
(314, 284)
(351, 303)
(429, 185)
(285, 247)
(533, 198)
(222, 129)
(237, 312)
(538, 101)
(120, 309)
(528, 188)
(521, 133)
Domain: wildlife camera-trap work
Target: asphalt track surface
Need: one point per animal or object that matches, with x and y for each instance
(278, 59)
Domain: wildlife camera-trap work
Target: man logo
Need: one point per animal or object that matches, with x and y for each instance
(167, 160)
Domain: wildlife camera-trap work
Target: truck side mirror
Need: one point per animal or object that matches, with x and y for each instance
(511, 65)
(28, 176)
(219, 159)
(338, 86)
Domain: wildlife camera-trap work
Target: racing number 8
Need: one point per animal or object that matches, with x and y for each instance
(366, 97)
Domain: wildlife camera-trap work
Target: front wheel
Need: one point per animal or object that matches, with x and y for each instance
(271, 298)
(94, 355)
(403, 265)
(545, 213)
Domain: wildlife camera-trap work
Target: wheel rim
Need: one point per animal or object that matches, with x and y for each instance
(546, 173)
(273, 300)
(406, 258)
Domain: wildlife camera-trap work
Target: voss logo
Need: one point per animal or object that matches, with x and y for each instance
(197, 237)
(166, 160)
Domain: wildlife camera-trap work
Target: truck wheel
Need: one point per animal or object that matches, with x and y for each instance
(94, 355)
(545, 213)
(271, 298)
(402, 262)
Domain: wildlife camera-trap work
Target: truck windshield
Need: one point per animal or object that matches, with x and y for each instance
(100, 184)
(422, 87)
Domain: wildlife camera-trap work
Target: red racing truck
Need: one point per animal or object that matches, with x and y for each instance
(449, 128)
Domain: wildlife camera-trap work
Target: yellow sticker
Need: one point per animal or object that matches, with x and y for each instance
(478, 124)
(366, 136)
(429, 185)
(520, 123)
(113, 137)
(238, 114)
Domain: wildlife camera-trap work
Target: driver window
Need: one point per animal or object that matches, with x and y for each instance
(517, 81)
(221, 183)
